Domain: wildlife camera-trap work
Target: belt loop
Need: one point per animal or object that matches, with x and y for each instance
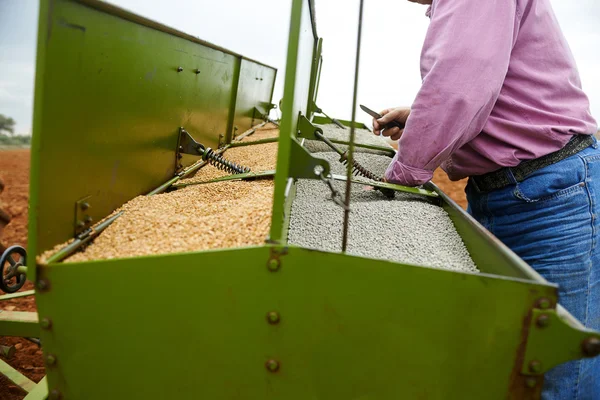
(510, 176)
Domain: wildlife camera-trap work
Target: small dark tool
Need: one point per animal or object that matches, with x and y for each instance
(187, 145)
(377, 116)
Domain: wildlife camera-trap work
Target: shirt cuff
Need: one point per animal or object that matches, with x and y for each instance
(405, 175)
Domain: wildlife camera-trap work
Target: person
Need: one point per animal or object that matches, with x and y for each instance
(501, 102)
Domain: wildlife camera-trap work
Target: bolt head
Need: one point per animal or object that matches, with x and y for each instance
(272, 365)
(179, 69)
(80, 224)
(543, 321)
(88, 219)
(50, 359)
(535, 367)
(197, 71)
(591, 347)
(85, 205)
(273, 317)
(530, 382)
(544, 303)
(273, 264)
(45, 323)
(42, 284)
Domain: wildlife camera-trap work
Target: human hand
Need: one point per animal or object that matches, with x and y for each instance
(398, 114)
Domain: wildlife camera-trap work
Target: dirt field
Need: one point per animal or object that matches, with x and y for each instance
(14, 171)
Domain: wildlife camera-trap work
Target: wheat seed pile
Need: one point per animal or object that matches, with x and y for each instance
(199, 217)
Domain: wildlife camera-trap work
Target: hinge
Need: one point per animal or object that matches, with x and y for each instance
(554, 338)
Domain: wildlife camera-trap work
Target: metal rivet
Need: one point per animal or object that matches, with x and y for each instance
(273, 317)
(54, 395)
(88, 219)
(85, 205)
(272, 365)
(543, 321)
(591, 347)
(530, 382)
(535, 367)
(43, 284)
(197, 71)
(543, 303)
(273, 264)
(50, 359)
(45, 323)
(80, 224)
(179, 69)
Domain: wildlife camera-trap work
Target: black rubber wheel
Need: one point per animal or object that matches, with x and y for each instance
(10, 280)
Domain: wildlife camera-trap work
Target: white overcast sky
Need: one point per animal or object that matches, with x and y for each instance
(393, 32)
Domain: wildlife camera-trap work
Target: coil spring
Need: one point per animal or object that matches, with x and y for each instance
(358, 169)
(222, 163)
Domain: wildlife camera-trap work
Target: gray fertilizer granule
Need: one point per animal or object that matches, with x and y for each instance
(316, 146)
(409, 229)
(362, 136)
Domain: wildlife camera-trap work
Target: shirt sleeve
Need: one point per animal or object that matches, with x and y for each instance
(464, 60)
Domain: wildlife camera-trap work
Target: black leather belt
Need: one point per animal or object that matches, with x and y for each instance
(500, 178)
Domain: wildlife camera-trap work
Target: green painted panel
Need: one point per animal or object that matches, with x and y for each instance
(349, 328)
(108, 104)
(255, 89)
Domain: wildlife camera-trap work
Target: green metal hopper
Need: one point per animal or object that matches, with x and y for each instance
(266, 322)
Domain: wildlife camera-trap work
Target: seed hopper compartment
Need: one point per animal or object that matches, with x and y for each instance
(218, 233)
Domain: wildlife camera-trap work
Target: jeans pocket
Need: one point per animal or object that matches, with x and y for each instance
(553, 182)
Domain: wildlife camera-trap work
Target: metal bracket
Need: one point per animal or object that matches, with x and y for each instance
(261, 113)
(306, 129)
(186, 145)
(554, 338)
(304, 165)
(83, 219)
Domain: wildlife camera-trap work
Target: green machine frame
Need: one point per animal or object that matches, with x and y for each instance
(266, 322)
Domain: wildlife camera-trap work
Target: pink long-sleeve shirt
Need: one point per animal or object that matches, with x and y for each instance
(500, 86)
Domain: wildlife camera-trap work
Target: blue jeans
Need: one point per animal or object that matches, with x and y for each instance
(551, 221)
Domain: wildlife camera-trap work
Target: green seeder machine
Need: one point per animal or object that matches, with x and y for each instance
(126, 107)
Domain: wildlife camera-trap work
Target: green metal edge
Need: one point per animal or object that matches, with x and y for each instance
(16, 377)
(39, 392)
(321, 120)
(132, 17)
(38, 101)
(17, 295)
(288, 124)
(385, 185)
(19, 323)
